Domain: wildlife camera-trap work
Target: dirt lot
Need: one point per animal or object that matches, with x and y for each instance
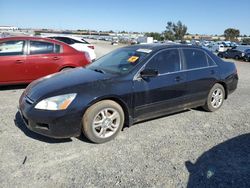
(193, 148)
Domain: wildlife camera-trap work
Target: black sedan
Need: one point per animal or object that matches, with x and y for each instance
(128, 85)
(247, 55)
(231, 53)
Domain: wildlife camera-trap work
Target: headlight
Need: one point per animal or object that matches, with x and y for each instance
(60, 102)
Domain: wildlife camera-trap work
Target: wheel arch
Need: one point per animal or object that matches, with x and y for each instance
(65, 67)
(118, 100)
(225, 88)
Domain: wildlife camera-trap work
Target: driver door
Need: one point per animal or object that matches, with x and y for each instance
(161, 94)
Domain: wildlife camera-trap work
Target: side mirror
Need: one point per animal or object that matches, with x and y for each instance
(146, 73)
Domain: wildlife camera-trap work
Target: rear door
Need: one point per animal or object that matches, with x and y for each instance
(13, 61)
(201, 74)
(43, 59)
(164, 93)
(232, 53)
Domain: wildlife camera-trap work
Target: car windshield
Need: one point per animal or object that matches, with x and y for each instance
(120, 61)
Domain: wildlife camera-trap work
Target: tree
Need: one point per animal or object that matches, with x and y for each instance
(169, 32)
(180, 30)
(175, 31)
(155, 35)
(231, 34)
(37, 33)
(246, 41)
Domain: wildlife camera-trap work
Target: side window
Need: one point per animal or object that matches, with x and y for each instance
(210, 61)
(58, 49)
(194, 58)
(166, 61)
(169, 61)
(40, 47)
(13, 47)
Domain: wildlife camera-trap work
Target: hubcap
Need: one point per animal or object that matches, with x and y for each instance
(106, 123)
(217, 98)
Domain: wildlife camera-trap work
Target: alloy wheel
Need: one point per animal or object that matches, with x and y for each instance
(106, 123)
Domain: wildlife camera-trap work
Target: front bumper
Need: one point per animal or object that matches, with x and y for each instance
(55, 124)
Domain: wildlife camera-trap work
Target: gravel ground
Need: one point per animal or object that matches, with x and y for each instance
(189, 149)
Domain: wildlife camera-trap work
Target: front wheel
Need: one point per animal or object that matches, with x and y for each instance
(103, 121)
(220, 55)
(215, 98)
(237, 57)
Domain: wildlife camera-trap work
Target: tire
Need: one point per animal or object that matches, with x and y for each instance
(212, 103)
(107, 127)
(237, 57)
(220, 55)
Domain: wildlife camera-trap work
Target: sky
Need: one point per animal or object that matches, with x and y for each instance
(200, 16)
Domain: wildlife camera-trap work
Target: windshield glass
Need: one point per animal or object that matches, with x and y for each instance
(120, 61)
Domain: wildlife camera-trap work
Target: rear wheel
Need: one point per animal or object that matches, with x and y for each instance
(215, 98)
(103, 121)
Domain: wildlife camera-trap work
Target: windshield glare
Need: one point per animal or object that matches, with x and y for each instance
(119, 61)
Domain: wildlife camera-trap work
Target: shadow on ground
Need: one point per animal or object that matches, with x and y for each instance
(225, 165)
(20, 124)
(13, 87)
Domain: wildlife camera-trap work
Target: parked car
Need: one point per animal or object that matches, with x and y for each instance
(78, 43)
(219, 48)
(247, 55)
(114, 42)
(133, 42)
(128, 85)
(235, 54)
(24, 59)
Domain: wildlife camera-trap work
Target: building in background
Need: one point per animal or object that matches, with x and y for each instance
(8, 28)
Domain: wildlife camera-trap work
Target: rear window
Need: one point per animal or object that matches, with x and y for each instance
(65, 40)
(84, 41)
(195, 58)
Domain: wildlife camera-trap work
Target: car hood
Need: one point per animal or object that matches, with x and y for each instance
(63, 82)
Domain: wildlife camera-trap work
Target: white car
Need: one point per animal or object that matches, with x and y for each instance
(219, 48)
(78, 43)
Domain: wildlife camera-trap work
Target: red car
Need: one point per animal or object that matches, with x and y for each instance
(24, 59)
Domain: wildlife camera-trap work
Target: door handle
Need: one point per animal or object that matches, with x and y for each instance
(178, 79)
(56, 58)
(19, 61)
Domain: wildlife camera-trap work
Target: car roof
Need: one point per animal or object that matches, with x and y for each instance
(31, 38)
(71, 37)
(160, 46)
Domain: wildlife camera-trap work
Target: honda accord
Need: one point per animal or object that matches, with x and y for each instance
(126, 86)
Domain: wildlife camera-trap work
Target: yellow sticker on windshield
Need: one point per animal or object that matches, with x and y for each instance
(133, 59)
